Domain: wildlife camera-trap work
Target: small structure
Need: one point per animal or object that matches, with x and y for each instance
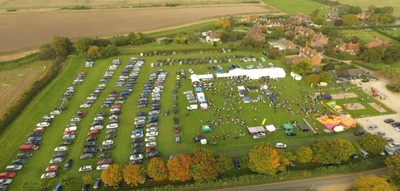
(204, 106)
(287, 127)
(206, 128)
(260, 97)
(270, 128)
(203, 141)
(295, 76)
(246, 99)
(304, 127)
(199, 89)
(255, 130)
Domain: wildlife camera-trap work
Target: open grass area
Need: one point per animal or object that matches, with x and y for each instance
(364, 4)
(367, 36)
(292, 7)
(234, 144)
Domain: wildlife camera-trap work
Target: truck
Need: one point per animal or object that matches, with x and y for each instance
(28, 147)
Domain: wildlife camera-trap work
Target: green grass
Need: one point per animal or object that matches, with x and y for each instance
(364, 4)
(292, 7)
(190, 125)
(367, 36)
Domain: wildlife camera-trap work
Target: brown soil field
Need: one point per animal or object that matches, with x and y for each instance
(26, 31)
(354, 106)
(377, 107)
(343, 95)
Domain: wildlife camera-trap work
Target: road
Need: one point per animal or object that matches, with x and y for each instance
(330, 183)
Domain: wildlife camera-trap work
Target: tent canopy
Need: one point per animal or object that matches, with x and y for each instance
(287, 127)
(206, 128)
(255, 130)
(271, 128)
(326, 96)
(247, 98)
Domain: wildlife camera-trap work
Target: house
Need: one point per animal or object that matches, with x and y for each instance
(375, 43)
(249, 18)
(347, 73)
(301, 19)
(213, 37)
(363, 16)
(332, 16)
(351, 48)
(256, 32)
(319, 40)
(276, 22)
(283, 44)
(307, 53)
(303, 32)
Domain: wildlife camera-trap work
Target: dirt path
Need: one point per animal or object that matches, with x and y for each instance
(19, 34)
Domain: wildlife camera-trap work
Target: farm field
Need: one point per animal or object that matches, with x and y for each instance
(190, 123)
(15, 38)
(367, 36)
(292, 7)
(364, 4)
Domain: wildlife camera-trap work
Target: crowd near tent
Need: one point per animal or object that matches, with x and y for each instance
(254, 73)
(255, 130)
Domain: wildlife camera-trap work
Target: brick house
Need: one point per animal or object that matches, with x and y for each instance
(351, 48)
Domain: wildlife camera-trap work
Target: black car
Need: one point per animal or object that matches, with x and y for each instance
(90, 144)
(97, 183)
(111, 136)
(176, 121)
(390, 120)
(66, 142)
(136, 161)
(236, 163)
(137, 145)
(85, 187)
(90, 150)
(91, 138)
(68, 164)
(290, 133)
(107, 147)
(138, 126)
(104, 155)
(24, 155)
(152, 154)
(359, 132)
(137, 151)
(395, 124)
(137, 140)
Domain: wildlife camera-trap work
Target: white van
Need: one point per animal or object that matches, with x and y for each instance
(192, 107)
(364, 153)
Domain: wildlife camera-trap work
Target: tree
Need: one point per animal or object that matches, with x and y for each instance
(285, 158)
(354, 9)
(325, 77)
(94, 52)
(67, 181)
(46, 54)
(179, 167)
(393, 166)
(263, 159)
(302, 68)
(350, 20)
(332, 151)
(304, 154)
(226, 24)
(392, 54)
(393, 74)
(204, 166)
(373, 55)
(372, 183)
(387, 10)
(112, 175)
(274, 53)
(225, 36)
(88, 179)
(219, 23)
(313, 79)
(61, 45)
(224, 162)
(133, 174)
(157, 169)
(276, 33)
(325, 29)
(109, 50)
(82, 45)
(373, 143)
(338, 23)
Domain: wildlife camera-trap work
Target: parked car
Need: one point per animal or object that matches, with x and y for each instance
(259, 136)
(290, 133)
(24, 155)
(380, 133)
(51, 168)
(61, 148)
(151, 144)
(86, 156)
(236, 163)
(56, 160)
(20, 161)
(105, 161)
(86, 168)
(389, 120)
(136, 157)
(48, 175)
(359, 132)
(152, 154)
(280, 145)
(102, 166)
(13, 167)
(5, 181)
(7, 174)
(108, 142)
(372, 127)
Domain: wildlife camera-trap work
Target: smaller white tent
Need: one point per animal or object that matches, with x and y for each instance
(271, 128)
(295, 76)
(203, 141)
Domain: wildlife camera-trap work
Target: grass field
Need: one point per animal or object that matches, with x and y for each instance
(292, 7)
(364, 4)
(190, 125)
(367, 36)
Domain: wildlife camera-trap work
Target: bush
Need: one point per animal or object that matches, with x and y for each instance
(46, 54)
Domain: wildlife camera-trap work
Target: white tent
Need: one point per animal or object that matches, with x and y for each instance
(205, 76)
(223, 75)
(194, 78)
(203, 141)
(271, 128)
(258, 73)
(295, 76)
(241, 88)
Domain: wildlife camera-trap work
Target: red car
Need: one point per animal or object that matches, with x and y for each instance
(81, 112)
(177, 129)
(116, 106)
(52, 168)
(69, 132)
(150, 150)
(7, 174)
(39, 129)
(93, 132)
(104, 161)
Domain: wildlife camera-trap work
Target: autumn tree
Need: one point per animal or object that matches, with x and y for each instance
(304, 154)
(112, 175)
(179, 167)
(224, 162)
(157, 169)
(61, 45)
(393, 166)
(264, 159)
(313, 79)
(94, 52)
(332, 151)
(373, 143)
(274, 53)
(133, 174)
(204, 166)
(372, 183)
(393, 74)
(219, 23)
(325, 77)
(226, 24)
(88, 179)
(67, 181)
(285, 158)
(82, 45)
(302, 68)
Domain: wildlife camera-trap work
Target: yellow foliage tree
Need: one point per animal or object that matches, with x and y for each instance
(226, 24)
(112, 175)
(219, 23)
(264, 159)
(157, 169)
(179, 167)
(372, 183)
(133, 174)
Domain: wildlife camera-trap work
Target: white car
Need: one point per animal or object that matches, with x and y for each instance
(13, 167)
(108, 142)
(43, 124)
(97, 127)
(49, 175)
(56, 160)
(102, 166)
(191, 71)
(86, 168)
(98, 118)
(137, 135)
(112, 126)
(397, 129)
(61, 148)
(151, 144)
(152, 134)
(150, 129)
(250, 67)
(188, 92)
(85, 105)
(262, 59)
(149, 139)
(259, 136)
(136, 157)
(192, 107)
(389, 151)
(72, 128)
(394, 144)
(56, 112)
(5, 181)
(280, 145)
